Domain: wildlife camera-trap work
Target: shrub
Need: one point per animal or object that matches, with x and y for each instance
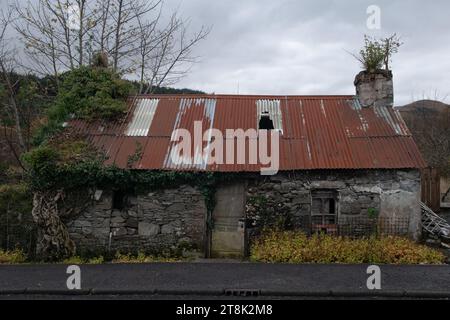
(378, 52)
(88, 93)
(12, 257)
(142, 258)
(74, 260)
(294, 247)
(91, 93)
(80, 260)
(62, 163)
(17, 229)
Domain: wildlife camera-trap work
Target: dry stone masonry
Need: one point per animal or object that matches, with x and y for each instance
(167, 220)
(159, 221)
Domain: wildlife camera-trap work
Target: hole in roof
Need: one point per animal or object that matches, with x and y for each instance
(269, 115)
(265, 123)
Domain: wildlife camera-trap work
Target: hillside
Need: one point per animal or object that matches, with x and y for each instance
(429, 122)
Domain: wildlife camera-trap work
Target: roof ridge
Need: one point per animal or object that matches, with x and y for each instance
(241, 96)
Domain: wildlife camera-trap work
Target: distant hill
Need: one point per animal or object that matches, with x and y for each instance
(429, 122)
(428, 108)
(168, 90)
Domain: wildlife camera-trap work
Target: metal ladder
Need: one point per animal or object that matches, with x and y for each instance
(446, 195)
(433, 224)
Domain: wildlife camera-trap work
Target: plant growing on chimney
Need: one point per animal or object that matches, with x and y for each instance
(377, 53)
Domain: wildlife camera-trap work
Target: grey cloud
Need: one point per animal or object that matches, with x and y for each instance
(300, 47)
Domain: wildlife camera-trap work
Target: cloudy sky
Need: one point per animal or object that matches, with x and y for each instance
(300, 46)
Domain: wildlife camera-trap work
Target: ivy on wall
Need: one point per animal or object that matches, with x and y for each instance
(63, 164)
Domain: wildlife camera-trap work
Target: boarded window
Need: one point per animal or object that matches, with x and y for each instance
(324, 210)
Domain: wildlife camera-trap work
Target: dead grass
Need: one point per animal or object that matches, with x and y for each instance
(12, 257)
(295, 247)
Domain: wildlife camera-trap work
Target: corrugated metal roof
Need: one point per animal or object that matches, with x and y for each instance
(272, 108)
(142, 117)
(317, 132)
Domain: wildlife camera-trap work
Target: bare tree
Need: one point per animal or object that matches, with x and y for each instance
(7, 64)
(120, 29)
(54, 33)
(166, 54)
(130, 32)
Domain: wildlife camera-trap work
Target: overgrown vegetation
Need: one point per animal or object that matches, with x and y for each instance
(16, 225)
(65, 165)
(88, 93)
(143, 258)
(266, 213)
(12, 257)
(295, 247)
(91, 93)
(17, 256)
(71, 77)
(377, 53)
(71, 164)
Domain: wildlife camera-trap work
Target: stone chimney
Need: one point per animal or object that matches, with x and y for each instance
(375, 88)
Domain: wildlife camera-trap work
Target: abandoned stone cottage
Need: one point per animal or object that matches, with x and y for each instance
(340, 158)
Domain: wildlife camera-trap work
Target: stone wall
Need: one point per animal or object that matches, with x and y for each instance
(393, 195)
(375, 89)
(155, 222)
(171, 219)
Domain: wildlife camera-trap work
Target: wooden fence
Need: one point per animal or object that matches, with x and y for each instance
(431, 193)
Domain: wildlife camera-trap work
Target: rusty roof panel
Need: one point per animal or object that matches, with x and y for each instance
(164, 119)
(130, 151)
(154, 153)
(318, 132)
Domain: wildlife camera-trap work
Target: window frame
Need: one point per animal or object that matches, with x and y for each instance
(324, 195)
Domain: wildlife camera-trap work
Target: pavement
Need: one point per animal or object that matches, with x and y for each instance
(222, 280)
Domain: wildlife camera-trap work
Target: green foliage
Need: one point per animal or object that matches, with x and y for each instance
(64, 162)
(378, 52)
(3, 171)
(166, 90)
(32, 95)
(372, 55)
(372, 213)
(136, 156)
(91, 93)
(268, 213)
(15, 196)
(74, 165)
(295, 247)
(16, 223)
(87, 93)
